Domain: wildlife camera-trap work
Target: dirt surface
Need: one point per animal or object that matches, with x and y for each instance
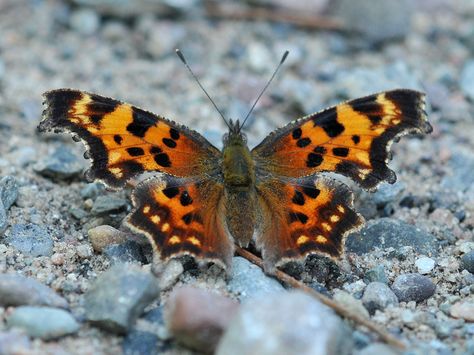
(46, 45)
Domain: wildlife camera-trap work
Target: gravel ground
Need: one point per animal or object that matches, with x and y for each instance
(62, 243)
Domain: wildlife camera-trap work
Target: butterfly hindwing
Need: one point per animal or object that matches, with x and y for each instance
(180, 216)
(352, 138)
(304, 216)
(123, 140)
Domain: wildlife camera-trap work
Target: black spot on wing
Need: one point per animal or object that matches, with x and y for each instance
(312, 192)
(171, 191)
(163, 160)
(296, 134)
(100, 106)
(155, 150)
(314, 160)
(142, 121)
(327, 120)
(169, 142)
(185, 199)
(174, 134)
(298, 216)
(356, 139)
(135, 151)
(118, 139)
(340, 152)
(298, 198)
(303, 142)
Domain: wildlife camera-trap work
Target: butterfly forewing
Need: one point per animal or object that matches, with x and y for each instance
(123, 140)
(352, 138)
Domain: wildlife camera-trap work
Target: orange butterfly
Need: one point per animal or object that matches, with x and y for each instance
(206, 200)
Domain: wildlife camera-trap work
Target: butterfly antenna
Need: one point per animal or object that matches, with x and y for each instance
(283, 58)
(181, 56)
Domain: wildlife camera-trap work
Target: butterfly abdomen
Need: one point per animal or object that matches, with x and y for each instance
(238, 169)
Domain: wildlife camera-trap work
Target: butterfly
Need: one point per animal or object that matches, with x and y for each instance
(204, 199)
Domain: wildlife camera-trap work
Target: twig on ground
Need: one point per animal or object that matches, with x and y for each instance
(338, 308)
(262, 14)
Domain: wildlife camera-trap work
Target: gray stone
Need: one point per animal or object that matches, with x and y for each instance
(391, 233)
(43, 322)
(62, 164)
(14, 342)
(467, 79)
(119, 296)
(92, 190)
(18, 290)
(378, 295)
(31, 239)
(377, 349)
(247, 280)
(108, 204)
(286, 323)
(8, 196)
(377, 21)
(85, 21)
(387, 193)
(134, 8)
(376, 274)
(351, 303)
(139, 342)
(127, 252)
(460, 177)
(467, 261)
(413, 287)
(8, 191)
(170, 274)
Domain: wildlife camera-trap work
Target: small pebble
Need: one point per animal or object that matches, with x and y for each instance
(376, 274)
(85, 21)
(137, 289)
(378, 295)
(102, 236)
(347, 300)
(198, 318)
(43, 322)
(413, 287)
(84, 251)
(464, 310)
(424, 265)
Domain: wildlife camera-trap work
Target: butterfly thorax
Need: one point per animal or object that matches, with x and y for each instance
(238, 166)
(238, 169)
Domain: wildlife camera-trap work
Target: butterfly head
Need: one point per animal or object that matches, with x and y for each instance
(235, 136)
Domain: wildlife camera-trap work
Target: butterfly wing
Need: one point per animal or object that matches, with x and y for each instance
(352, 138)
(182, 216)
(303, 216)
(123, 140)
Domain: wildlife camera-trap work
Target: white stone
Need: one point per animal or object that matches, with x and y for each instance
(425, 265)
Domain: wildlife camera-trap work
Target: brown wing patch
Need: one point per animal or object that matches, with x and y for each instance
(182, 217)
(123, 140)
(304, 216)
(352, 138)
